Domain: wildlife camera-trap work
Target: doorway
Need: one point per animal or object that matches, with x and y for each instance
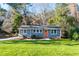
(46, 33)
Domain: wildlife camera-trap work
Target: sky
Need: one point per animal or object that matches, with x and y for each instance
(4, 6)
(36, 7)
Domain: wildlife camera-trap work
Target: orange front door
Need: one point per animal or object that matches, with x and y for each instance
(46, 34)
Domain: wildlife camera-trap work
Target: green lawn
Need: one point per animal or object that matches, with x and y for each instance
(39, 48)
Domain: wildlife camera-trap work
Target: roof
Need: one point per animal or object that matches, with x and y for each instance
(48, 26)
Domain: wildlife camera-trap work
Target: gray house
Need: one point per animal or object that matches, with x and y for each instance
(45, 31)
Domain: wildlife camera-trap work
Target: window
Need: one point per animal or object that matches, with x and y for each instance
(53, 31)
(21, 31)
(37, 30)
(24, 31)
(40, 30)
(33, 30)
(58, 31)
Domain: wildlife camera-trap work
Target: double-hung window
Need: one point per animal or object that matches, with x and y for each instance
(34, 30)
(37, 31)
(40, 31)
(54, 31)
(25, 31)
(21, 31)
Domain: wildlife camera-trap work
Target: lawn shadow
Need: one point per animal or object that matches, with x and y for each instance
(16, 41)
(30, 42)
(44, 42)
(72, 44)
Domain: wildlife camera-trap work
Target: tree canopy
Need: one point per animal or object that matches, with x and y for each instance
(19, 14)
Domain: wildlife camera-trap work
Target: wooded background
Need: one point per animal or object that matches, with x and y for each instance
(64, 15)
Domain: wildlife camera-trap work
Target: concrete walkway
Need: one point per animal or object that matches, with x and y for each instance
(11, 38)
(16, 38)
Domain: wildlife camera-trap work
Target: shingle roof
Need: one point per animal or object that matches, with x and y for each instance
(49, 26)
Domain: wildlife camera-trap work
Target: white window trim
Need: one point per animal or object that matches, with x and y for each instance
(36, 31)
(25, 31)
(21, 31)
(40, 30)
(53, 31)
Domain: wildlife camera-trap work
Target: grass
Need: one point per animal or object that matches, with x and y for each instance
(39, 48)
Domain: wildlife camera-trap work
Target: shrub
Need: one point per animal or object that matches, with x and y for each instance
(33, 36)
(36, 37)
(75, 36)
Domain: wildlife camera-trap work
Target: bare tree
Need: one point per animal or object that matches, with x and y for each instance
(45, 13)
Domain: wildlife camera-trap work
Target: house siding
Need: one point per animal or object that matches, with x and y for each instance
(54, 35)
(30, 31)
